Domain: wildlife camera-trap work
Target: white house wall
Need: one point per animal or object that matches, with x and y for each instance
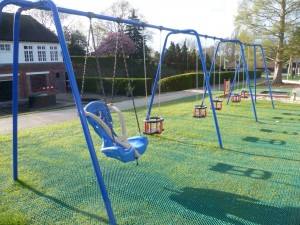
(6, 57)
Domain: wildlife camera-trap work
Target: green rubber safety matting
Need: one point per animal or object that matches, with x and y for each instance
(183, 178)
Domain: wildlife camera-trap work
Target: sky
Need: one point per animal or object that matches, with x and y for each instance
(208, 17)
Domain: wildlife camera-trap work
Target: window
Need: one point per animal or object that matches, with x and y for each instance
(57, 75)
(4, 47)
(41, 53)
(53, 53)
(28, 53)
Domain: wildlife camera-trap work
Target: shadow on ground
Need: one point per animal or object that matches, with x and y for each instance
(234, 208)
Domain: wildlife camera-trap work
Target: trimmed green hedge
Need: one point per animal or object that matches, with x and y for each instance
(135, 67)
(188, 80)
(173, 83)
(92, 85)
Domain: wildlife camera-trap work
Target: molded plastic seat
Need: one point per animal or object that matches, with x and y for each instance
(120, 148)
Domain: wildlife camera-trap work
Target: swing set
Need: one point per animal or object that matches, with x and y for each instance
(216, 104)
(98, 113)
(236, 97)
(245, 93)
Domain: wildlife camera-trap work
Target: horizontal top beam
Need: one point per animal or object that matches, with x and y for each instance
(44, 6)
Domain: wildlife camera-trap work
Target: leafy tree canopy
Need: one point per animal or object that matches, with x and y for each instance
(272, 20)
(76, 42)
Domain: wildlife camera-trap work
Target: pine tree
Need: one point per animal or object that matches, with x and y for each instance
(136, 35)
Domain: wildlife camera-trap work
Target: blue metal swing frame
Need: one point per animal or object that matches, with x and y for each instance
(207, 86)
(265, 69)
(242, 48)
(50, 6)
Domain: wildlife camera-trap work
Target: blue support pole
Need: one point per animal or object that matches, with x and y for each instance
(157, 76)
(210, 71)
(49, 5)
(190, 32)
(209, 90)
(254, 53)
(81, 113)
(211, 68)
(267, 74)
(265, 68)
(245, 69)
(73, 84)
(248, 80)
(16, 34)
(234, 79)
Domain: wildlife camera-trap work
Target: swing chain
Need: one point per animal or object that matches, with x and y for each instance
(145, 67)
(115, 66)
(130, 89)
(98, 63)
(100, 76)
(85, 60)
(159, 76)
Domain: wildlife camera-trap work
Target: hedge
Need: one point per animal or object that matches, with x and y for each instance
(188, 80)
(92, 85)
(135, 67)
(174, 83)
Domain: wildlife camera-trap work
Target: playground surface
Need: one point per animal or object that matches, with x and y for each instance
(183, 178)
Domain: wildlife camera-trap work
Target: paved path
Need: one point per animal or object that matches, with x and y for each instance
(40, 119)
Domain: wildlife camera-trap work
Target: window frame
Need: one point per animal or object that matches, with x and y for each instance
(28, 53)
(53, 53)
(41, 50)
(4, 47)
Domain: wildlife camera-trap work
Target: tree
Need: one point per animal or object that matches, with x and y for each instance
(123, 10)
(169, 57)
(233, 51)
(120, 9)
(109, 42)
(138, 37)
(76, 42)
(294, 41)
(270, 19)
(46, 19)
(185, 55)
(294, 50)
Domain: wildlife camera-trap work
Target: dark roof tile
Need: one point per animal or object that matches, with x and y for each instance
(30, 29)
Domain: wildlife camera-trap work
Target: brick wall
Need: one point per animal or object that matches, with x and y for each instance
(55, 78)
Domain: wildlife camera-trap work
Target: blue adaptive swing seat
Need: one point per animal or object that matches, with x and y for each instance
(120, 148)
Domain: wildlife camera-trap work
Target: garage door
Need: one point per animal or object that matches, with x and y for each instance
(5, 91)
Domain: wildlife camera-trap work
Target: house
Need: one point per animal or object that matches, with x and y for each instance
(41, 65)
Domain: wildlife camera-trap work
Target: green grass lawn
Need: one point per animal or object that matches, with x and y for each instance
(183, 178)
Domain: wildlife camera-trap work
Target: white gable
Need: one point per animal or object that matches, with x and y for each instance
(31, 52)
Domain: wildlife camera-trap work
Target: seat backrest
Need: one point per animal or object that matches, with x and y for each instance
(101, 110)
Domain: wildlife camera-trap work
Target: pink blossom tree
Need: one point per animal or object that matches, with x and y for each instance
(108, 44)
